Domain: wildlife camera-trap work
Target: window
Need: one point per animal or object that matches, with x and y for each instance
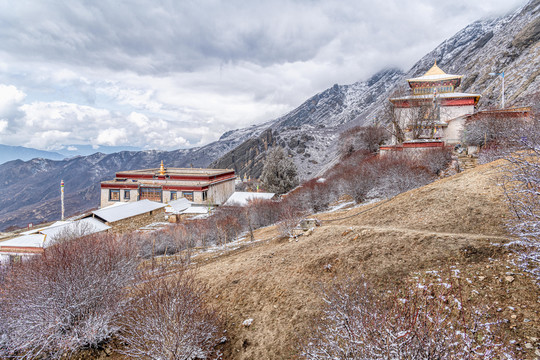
(205, 195)
(114, 195)
(127, 194)
(173, 195)
(150, 193)
(188, 195)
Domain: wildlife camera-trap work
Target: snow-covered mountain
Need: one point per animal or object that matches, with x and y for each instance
(29, 191)
(508, 44)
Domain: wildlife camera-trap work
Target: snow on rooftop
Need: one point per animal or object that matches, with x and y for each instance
(85, 226)
(177, 206)
(243, 198)
(45, 236)
(126, 210)
(36, 230)
(195, 210)
(442, 95)
(32, 240)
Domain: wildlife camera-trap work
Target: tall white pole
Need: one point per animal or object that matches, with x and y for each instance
(62, 197)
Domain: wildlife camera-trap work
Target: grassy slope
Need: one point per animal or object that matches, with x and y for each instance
(452, 222)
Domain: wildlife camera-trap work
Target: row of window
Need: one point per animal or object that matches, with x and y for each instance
(431, 90)
(154, 194)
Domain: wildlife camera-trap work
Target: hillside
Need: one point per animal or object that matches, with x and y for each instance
(455, 223)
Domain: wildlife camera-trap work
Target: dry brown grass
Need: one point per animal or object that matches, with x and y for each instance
(452, 222)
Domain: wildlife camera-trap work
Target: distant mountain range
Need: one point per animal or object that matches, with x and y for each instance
(9, 153)
(29, 190)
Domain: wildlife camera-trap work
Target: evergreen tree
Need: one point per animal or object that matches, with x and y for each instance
(279, 173)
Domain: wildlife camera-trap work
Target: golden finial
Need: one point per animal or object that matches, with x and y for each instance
(162, 169)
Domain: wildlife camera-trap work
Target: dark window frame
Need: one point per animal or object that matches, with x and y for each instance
(114, 191)
(189, 195)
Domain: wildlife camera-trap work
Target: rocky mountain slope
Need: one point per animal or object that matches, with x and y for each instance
(29, 190)
(509, 44)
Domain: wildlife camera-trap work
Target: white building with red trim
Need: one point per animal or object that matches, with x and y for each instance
(202, 186)
(433, 111)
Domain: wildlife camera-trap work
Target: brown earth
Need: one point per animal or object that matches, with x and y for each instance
(453, 223)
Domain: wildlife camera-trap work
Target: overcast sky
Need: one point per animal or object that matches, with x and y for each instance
(168, 74)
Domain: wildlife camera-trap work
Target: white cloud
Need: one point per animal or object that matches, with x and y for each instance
(174, 74)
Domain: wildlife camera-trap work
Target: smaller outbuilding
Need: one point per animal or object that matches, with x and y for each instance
(123, 217)
(240, 198)
(34, 242)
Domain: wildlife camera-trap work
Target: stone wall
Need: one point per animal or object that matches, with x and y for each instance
(136, 222)
(219, 193)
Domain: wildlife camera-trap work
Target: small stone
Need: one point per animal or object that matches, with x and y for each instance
(509, 278)
(247, 322)
(514, 316)
(481, 278)
(537, 352)
(528, 346)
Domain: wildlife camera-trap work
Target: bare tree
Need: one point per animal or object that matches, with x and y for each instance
(417, 322)
(66, 299)
(362, 138)
(521, 183)
(168, 319)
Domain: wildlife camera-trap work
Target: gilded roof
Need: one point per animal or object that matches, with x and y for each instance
(434, 74)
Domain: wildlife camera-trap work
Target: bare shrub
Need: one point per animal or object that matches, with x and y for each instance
(66, 299)
(74, 230)
(435, 160)
(521, 184)
(263, 212)
(424, 322)
(229, 222)
(291, 214)
(314, 195)
(398, 173)
(169, 319)
(377, 177)
(362, 138)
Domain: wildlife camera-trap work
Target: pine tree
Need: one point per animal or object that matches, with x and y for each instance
(279, 173)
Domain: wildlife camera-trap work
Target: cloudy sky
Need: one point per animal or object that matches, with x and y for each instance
(168, 74)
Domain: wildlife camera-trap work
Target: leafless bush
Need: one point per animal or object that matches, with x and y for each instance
(314, 195)
(397, 174)
(362, 138)
(66, 299)
(377, 177)
(435, 160)
(74, 230)
(264, 212)
(169, 319)
(291, 214)
(521, 184)
(426, 322)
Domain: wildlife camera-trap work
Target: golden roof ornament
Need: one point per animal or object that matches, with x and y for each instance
(162, 169)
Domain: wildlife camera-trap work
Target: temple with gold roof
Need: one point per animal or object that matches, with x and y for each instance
(433, 110)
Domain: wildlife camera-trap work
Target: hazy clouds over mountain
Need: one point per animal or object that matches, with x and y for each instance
(171, 74)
